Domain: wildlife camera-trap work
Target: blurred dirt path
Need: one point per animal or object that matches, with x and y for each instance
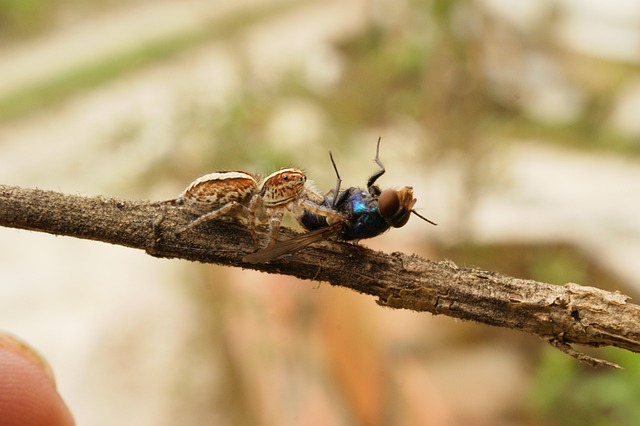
(109, 35)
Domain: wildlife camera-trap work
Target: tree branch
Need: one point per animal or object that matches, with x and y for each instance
(561, 315)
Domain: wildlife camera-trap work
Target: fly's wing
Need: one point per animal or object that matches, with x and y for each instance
(294, 244)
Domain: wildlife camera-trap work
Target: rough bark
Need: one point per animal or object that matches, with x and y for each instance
(562, 315)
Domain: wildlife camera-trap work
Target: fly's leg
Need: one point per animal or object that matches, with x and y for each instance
(374, 177)
(211, 215)
(338, 181)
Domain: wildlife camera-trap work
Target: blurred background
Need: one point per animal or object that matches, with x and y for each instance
(515, 122)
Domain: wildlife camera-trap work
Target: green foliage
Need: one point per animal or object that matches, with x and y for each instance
(566, 393)
(21, 18)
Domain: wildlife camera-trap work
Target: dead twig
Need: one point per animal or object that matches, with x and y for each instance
(561, 315)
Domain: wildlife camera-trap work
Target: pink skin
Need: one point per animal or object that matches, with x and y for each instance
(28, 395)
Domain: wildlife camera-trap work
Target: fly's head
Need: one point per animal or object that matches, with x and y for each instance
(396, 206)
(283, 187)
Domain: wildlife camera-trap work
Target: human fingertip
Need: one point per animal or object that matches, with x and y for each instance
(11, 343)
(28, 394)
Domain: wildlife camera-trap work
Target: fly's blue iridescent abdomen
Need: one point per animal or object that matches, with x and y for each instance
(360, 210)
(363, 218)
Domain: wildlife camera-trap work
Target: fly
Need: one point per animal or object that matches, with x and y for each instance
(368, 212)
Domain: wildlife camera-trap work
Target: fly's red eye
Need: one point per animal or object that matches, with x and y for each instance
(395, 206)
(388, 203)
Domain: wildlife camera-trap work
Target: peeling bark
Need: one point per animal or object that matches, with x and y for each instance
(561, 315)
